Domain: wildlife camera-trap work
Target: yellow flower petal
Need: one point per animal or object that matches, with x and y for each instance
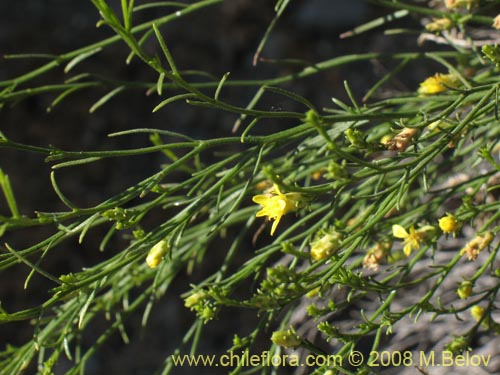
(407, 249)
(399, 232)
(262, 212)
(438, 83)
(281, 204)
(276, 189)
(275, 225)
(260, 199)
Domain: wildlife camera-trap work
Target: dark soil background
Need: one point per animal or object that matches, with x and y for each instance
(217, 40)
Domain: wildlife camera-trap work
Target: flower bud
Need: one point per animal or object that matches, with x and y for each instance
(194, 299)
(157, 253)
(287, 339)
(465, 289)
(325, 246)
(449, 224)
(477, 312)
(458, 345)
(356, 138)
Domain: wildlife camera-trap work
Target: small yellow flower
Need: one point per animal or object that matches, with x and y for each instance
(277, 204)
(477, 312)
(157, 253)
(449, 224)
(465, 289)
(412, 240)
(438, 83)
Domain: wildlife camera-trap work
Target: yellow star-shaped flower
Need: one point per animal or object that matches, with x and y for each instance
(411, 240)
(277, 204)
(438, 83)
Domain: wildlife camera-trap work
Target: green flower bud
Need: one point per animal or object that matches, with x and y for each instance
(355, 138)
(458, 345)
(287, 339)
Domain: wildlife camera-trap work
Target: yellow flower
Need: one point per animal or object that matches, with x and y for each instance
(412, 240)
(277, 204)
(438, 83)
(157, 253)
(449, 224)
